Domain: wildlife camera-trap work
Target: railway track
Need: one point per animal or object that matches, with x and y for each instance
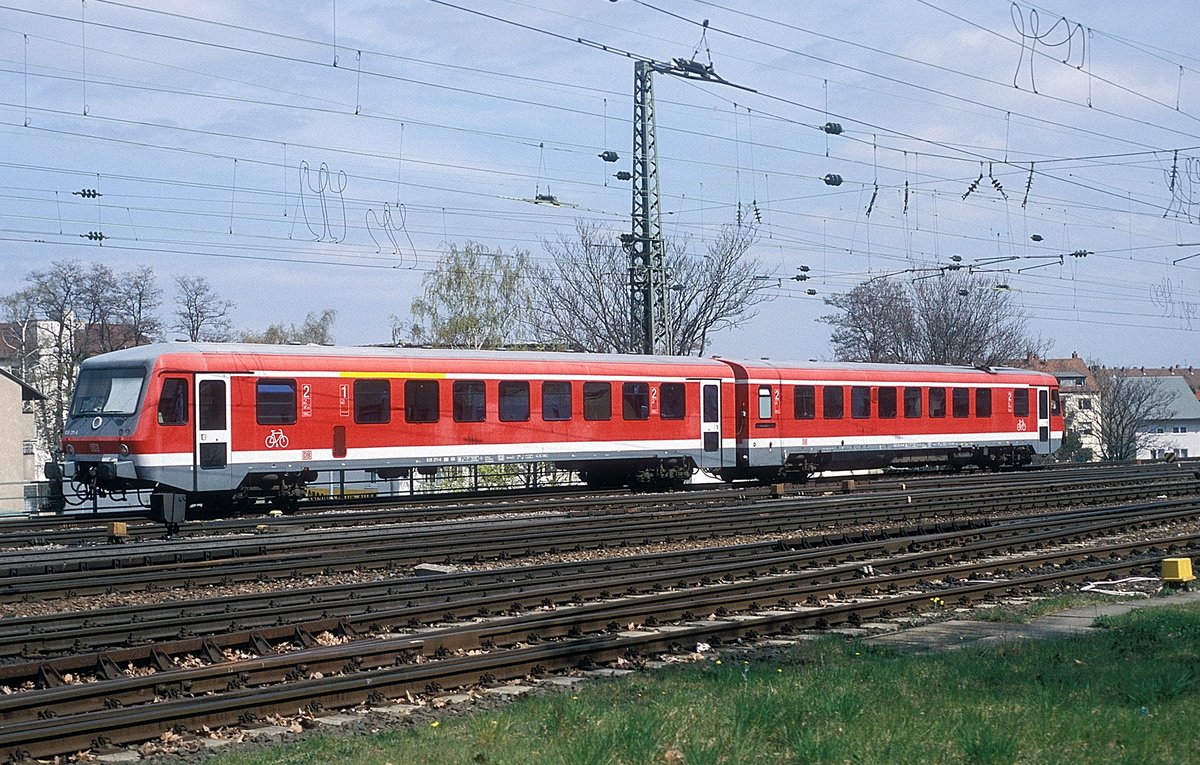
(339, 646)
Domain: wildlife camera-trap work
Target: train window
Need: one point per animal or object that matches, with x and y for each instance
(912, 403)
(514, 401)
(635, 400)
(937, 402)
(372, 401)
(832, 402)
(107, 391)
(764, 402)
(470, 401)
(597, 401)
(860, 402)
(421, 401)
(210, 408)
(173, 403)
(556, 401)
(887, 403)
(672, 401)
(275, 402)
(712, 402)
(1055, 404)
(805, 404)
(960, 402)
(1021, 402)
(983, 402)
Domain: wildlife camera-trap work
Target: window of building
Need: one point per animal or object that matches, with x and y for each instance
(805, 402)
(983, 402)
(421, 402)
(765, 410)
(635, 400)
(556, 400)
(275, 402)
(514, 400)
(372, 401)
(937, 402)
(1021, 402)
(173, 403)
(912, 403)
(1181, 453)
(672, 401)
(860, 402)
(887, 403)
(1085, 403)
(832, 402)
(960, 402)
(597, 401)
(470, 400)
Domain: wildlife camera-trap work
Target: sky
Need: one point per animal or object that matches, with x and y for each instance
(307, 155)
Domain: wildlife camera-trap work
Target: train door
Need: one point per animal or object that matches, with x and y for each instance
(710, 423)
(213, 472)
(1043, 421)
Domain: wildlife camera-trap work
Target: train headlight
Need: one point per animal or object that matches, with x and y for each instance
(70, 450)
(124, 450)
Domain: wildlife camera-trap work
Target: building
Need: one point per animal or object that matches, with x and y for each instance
(1078, 393)
(19, 462)
(1180, 434)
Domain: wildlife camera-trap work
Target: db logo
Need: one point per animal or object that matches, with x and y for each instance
(1021, 426)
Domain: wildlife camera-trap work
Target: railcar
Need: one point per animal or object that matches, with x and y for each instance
(229, 424)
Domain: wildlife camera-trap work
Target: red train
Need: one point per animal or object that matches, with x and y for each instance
(228, 423)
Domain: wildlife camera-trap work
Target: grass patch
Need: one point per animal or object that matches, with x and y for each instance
(1126, 695)
(1026, 612)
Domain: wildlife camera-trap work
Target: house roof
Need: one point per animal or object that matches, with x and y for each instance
(1184, 402)
(1062, 368)
(28, 392)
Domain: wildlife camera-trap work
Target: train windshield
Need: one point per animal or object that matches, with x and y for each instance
(107, 391)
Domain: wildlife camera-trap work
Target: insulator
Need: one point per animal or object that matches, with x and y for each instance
(833, 128)
(956, 258)
(800, 278)
(609, 156)
(1036, 237)
(1080, 254)
(953, 266)
(832, 180)
(963, 293)
(628, 239)
(87, 193)
(623, 175)
(802, 268)
(95, 236)
(810, 292)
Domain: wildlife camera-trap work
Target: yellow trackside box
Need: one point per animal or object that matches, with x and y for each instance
(1177, 570)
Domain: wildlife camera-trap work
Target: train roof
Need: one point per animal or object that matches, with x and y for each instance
(851, 367)
(146, 354)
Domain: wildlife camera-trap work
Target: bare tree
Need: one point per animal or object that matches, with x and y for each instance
(316, 329)
(474, 298)
(953, 319)
(581, 298)
(1127, 405)
(138, 299)
(715, 292)
(200, 313)
(582, 295)
(876, 323)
